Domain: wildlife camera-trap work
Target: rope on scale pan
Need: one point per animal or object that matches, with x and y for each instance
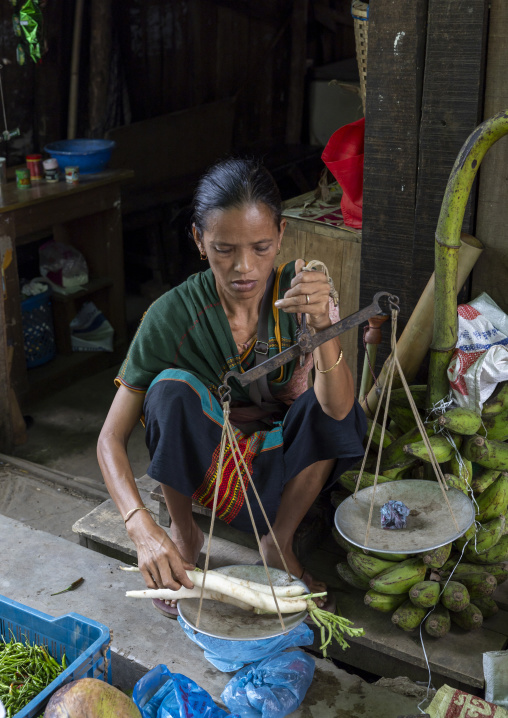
(394, 363)
(229, 438)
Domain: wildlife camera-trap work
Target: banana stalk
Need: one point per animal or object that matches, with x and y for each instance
(447, 247)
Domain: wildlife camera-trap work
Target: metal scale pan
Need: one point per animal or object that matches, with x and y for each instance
(431, 525)
(221, 620)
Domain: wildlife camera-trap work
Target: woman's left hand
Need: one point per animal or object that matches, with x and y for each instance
(309, 293)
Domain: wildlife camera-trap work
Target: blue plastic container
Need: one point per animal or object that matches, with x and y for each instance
(89, 155)
(38, 332)
(84, 642)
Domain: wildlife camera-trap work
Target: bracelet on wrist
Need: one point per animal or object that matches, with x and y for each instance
(133, 511)
(325, 371)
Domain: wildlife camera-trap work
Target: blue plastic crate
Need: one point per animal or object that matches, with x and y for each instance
(84, 642)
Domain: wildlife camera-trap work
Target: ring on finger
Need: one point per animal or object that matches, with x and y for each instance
(308, 299)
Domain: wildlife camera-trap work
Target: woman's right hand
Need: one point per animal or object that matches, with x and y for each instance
(159, 560)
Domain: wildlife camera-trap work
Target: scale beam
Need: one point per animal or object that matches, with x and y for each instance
(307, 342)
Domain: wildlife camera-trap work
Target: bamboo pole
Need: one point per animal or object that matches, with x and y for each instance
(447, 247)
(416, 338)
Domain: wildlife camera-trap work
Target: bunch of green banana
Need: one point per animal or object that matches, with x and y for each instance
(351, 577)
(349, 480)
(456, 482)
(494, 500)
(384, 602)
(438, 622)
(395, 455)
(443, 450)
(496, 426)
(398, 397)
(498, 570)
(425, 594)
(402, 415)
(399, 577)
(479, 584)
(460, 421)
(491, 454)
(498, 402)
(470, 618)
(408, 616)
(376, 436)
(462, 468)
(437, 557)
(486, 536)
(454, 596)
(369, 566)
(483, 480)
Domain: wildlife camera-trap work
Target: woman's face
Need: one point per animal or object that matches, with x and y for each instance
(241, 244)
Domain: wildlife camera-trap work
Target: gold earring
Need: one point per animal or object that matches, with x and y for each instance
(202, 255)
(278, 251)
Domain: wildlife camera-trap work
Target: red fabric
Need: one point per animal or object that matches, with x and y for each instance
(343, 155)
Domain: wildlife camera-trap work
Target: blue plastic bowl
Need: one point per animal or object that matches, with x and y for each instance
(89, 155)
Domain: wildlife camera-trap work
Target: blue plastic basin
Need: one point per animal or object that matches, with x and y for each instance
(89, 155)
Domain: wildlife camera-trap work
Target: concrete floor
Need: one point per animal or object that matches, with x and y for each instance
(67, 425)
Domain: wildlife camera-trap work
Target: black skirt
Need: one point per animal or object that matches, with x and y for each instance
(184, 422)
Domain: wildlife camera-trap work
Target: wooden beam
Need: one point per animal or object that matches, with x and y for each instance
(397, 34)
(6, 429)
(297, 71)
(492, 269)
(100, 57)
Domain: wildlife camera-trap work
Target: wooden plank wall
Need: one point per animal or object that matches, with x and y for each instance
(186, 53)
(491, 272)
(424, 97)
(397, 34)
(451, 109)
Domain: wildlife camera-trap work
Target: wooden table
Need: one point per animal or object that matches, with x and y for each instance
(88, 216)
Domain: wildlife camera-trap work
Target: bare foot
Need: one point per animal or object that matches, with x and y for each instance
(273, 559)
(189, 542)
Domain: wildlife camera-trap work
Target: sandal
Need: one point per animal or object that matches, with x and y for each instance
(164, 608)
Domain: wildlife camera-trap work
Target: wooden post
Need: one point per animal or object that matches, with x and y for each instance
(297, 71)
(397, 35)
(100, 56)
(492, 269)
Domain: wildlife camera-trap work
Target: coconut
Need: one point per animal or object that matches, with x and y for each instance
(90, 697)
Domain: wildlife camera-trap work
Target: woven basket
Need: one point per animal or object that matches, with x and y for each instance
(360, 13)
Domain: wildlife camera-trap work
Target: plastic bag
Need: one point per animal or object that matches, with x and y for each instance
(63, 265)
(271, 688)
(480, 359)
(229, 656)
(394, 515)
(91, 331)
(495, 670)
(343, 155)
(162, 694)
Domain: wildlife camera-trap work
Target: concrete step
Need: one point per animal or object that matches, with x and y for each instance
(35, 564)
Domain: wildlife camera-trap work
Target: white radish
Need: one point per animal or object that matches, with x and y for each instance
(166, 594)
(217, 582)
(293, 589)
